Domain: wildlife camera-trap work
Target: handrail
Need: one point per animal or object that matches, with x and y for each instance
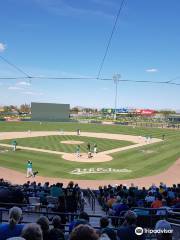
(91, 199)
(59, 213)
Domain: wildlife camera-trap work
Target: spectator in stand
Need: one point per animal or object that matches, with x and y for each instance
(71, 198)
(83, 219)
(44, 224)
(149, 199)
(164, 209)
(105, 193)
(32, 187)
(153, 188)
(165, 196)
(171, 193)
(110, 201)
(56, 232)
(39, 186)
(131, 200)
(46, 187)
(62, 208)
(104, 223)
(116, 203)
(55, 190)
(42, 195)
(83, 232)
(157, 203)
(32, 231)
(13, 228)
(127, 230)
(120, 207)
(125, 192)
(161, 189)
(143, 193)
(163, 225)
(176, 200)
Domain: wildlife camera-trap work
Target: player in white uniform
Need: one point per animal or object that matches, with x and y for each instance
(95, 148)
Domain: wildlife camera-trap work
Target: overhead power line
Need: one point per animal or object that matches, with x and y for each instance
(110, 38)
(141, 81)
(64, 78)
(91, 78)
(15, 66)
(50, 77)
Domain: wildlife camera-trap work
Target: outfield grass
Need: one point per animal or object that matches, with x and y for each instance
(54, 143)
(142, 162)
(53, 126)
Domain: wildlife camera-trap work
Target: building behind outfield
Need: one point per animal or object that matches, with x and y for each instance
(50, 111)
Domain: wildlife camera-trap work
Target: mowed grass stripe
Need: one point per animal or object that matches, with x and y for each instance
(54, 143)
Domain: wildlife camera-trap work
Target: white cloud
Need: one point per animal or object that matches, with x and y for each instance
(2, 47)
(14, 88)
(24, 83)
(33, 93)
(152, 70)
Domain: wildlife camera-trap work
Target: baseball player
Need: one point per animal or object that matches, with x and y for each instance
(14, 144)
(78, 131)
(89, 150)
(95, 148)
(29, 169)
(78, 151)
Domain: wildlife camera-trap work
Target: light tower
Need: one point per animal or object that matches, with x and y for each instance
(116, 79)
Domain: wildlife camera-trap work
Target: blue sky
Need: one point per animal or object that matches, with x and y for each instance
(68, 38)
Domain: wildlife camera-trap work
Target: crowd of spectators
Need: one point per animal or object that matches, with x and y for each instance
(81, 229)
(68, 197)
(117, 201)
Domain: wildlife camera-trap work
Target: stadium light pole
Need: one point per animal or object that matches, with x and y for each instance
(116, 79)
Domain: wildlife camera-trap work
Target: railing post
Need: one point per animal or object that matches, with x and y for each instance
(1, 214)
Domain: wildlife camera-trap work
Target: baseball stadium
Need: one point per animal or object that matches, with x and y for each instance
(87, 153)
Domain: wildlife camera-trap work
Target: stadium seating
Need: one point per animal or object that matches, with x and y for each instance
(125, 207)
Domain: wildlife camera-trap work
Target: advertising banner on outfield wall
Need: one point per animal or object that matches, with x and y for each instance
(112, 110)
(145, 112)
(122, 110)
(142, 112)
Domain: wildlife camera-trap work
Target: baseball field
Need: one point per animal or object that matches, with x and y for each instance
(124, 153)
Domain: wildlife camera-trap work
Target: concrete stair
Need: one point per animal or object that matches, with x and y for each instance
(94, 221)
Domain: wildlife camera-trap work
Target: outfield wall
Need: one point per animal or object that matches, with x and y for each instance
(50, 112)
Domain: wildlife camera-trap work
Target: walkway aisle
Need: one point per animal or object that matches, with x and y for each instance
(94, 221)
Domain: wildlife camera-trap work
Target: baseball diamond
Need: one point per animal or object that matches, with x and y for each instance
(126, 147)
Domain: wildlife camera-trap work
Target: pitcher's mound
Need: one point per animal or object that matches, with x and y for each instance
(72, 142)
(84, 157)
